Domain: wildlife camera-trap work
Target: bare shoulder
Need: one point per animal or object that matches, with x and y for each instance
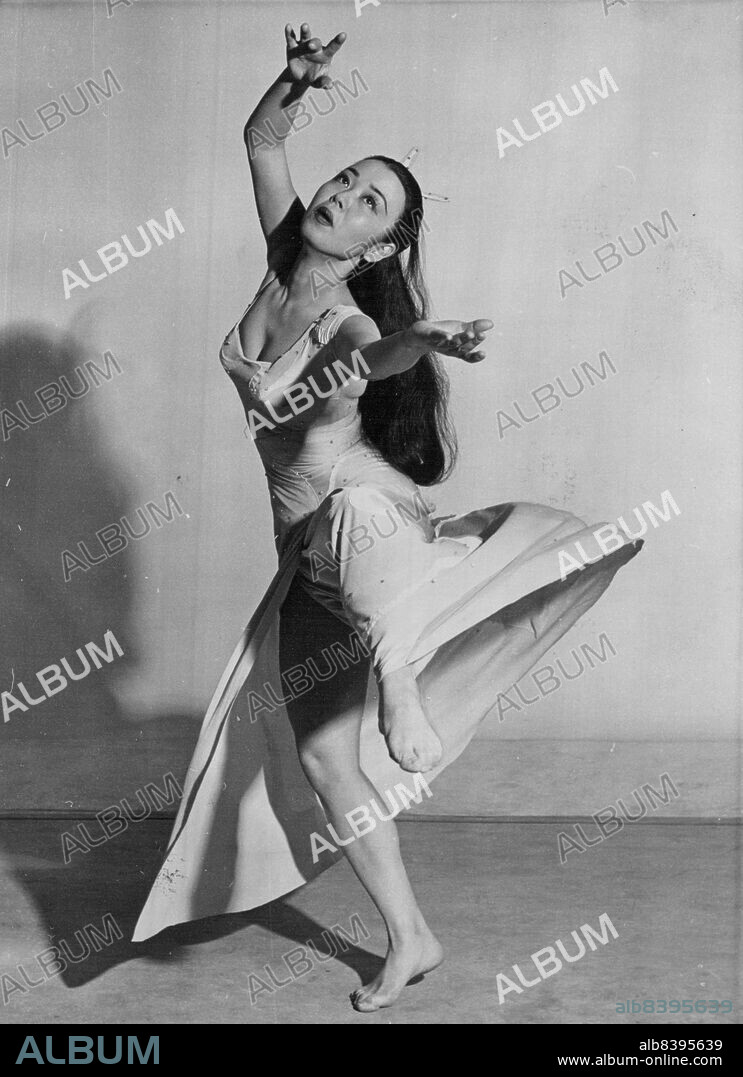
(354, 331)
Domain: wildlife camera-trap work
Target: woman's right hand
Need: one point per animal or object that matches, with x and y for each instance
(306, 59)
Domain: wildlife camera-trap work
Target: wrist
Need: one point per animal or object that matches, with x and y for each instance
(294, 87)
(411, 342)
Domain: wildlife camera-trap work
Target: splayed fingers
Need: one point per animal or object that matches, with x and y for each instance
(307, 58)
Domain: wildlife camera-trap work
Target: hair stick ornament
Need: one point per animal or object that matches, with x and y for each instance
(406, 162)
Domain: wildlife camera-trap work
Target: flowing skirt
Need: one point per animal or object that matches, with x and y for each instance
(470, 602)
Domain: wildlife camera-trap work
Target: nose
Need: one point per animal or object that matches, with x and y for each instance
(335, 198)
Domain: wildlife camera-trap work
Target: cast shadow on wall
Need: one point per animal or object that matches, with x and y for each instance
(61, 591)
(59, 485)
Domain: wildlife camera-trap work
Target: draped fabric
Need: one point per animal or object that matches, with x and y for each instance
(470, 602)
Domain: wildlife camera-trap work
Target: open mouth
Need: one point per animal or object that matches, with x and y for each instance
(324, 216)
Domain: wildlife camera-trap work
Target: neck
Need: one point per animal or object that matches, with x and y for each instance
(316, 278)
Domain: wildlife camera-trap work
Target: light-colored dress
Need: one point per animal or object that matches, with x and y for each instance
(471, 602)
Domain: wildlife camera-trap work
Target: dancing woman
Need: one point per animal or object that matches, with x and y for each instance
(386, 634)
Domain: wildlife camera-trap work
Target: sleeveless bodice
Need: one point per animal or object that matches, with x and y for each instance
(300, 462)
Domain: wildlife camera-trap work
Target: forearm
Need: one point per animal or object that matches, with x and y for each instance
(333, 367)
(341, 360)
(270, 114)
(389, 356)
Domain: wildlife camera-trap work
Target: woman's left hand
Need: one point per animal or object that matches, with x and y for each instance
(459, 339)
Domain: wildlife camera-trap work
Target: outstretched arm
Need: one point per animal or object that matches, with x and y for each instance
(357, 354)
(393, 354)
(279, 207)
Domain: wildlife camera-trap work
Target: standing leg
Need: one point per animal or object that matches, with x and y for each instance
(326, 723)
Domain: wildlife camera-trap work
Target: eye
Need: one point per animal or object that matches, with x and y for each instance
(371, 201)
(343, 177)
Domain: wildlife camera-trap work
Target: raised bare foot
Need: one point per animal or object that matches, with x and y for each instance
(411, 741)
(416, 955)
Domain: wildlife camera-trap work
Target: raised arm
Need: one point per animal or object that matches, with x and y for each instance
(270, 124)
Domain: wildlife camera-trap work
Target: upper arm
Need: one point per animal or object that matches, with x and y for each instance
(280, 210)
(353, 334)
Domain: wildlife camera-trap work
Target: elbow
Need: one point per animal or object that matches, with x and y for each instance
(254, 122)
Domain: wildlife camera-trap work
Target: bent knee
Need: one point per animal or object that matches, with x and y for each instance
(320, 762)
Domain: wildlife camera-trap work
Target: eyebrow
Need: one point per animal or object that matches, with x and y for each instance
(375, 189)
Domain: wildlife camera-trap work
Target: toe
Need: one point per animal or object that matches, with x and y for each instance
(363, 1003)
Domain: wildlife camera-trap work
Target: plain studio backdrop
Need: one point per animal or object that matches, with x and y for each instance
(443, 77)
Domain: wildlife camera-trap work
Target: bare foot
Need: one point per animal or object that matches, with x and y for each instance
(411, 741)
(416, 955)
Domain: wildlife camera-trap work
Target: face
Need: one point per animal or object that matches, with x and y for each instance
(355, 208)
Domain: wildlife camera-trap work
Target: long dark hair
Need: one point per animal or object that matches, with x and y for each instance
(405, 416)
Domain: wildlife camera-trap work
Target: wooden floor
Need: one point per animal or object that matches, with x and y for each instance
(494, 892)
